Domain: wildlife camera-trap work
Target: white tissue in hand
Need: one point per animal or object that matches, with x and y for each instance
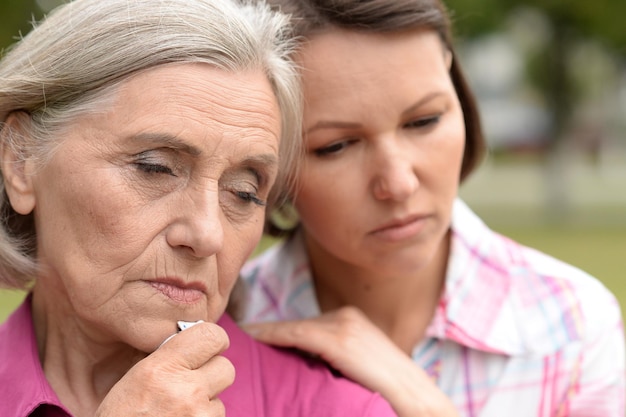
(184, 325)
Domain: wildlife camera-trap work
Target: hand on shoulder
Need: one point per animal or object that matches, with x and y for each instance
(349, 342)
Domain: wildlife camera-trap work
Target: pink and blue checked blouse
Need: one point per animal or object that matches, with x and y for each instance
(516, 332)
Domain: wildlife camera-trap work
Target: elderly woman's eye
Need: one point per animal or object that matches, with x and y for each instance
(154, 168)
(154, 162)
(250, 198)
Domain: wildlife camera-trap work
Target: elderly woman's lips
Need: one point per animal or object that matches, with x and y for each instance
(178, 293)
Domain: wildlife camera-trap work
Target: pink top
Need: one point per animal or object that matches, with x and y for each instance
(269, 382)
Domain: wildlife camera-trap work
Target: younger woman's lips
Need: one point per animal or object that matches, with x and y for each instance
(177, 293)
(400, 231)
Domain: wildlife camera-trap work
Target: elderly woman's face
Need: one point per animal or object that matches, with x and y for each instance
(147, 210)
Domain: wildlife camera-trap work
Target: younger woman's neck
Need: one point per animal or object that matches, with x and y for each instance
(401, 306)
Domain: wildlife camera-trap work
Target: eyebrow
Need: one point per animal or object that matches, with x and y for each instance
(332, 124)
(167, 139)
(264, 160)
(260, 160)
(336, 124)
(428, 97)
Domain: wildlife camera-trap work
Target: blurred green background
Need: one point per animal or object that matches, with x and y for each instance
(550, 77)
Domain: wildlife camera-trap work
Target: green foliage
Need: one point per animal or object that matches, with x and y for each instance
(569, 21)
(475, 17)
(600, 19)
(9, 300)
(16, 17)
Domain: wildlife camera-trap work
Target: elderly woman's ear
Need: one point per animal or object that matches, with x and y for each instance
(17, 169)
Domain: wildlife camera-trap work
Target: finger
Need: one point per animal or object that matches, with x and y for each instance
(216, 409)
(195, 346)
(215, 376)
(311, 335)
(341, 326)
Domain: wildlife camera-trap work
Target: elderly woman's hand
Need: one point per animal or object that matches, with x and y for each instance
(183, 377)
(349, 342)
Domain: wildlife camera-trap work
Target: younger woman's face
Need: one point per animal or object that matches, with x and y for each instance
(385, 137)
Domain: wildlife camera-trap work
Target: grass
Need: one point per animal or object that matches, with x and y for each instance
(599, 251)
(9, 300)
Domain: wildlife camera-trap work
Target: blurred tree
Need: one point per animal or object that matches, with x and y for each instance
(602, 19)
(570, 21)
(16, 18)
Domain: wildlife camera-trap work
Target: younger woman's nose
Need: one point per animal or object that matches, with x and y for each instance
(395, 177)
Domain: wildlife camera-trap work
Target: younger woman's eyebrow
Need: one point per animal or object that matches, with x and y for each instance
(428, 97)
(165, 139)
(332, 124)
(337, 124)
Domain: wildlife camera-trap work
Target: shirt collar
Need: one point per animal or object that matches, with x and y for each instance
(494, 299)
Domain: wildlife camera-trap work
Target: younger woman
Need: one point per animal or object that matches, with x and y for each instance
(389, 276)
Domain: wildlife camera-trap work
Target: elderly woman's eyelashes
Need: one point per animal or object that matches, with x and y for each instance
(243, 185)
(250, 197)
(151, 162)
(245, 191)
(152, 168)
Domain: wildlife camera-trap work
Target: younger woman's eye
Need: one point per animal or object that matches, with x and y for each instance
(333, 148)
(424, 122)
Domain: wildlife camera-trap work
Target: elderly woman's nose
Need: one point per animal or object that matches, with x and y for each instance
(198, 224)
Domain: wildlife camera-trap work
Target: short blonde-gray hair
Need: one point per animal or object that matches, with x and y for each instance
(68, 65)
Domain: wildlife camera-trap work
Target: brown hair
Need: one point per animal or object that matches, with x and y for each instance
(310, 17)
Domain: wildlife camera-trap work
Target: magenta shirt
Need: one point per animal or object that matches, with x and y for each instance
(269, 382)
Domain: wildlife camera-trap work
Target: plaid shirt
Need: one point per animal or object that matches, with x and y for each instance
(516, 332)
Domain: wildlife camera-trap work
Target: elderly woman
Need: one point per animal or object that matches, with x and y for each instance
(140, 140)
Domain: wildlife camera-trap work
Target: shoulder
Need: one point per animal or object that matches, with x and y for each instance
(541, 303)
(22, 379)
(560, 298)
(284, 383)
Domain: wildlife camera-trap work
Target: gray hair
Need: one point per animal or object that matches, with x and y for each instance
(72, 62)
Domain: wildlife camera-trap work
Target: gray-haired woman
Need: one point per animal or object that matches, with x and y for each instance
(139, 143)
